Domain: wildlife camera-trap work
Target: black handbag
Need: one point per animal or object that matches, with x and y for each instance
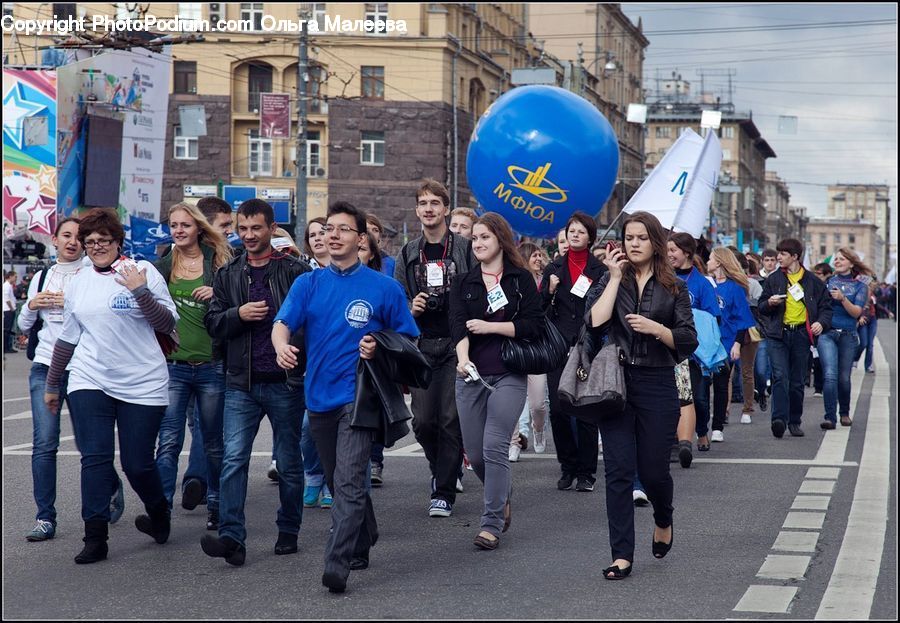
(539, 356)
(592, 384)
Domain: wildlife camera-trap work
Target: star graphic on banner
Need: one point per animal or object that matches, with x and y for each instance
(10, 203)
(15, 109)
(46, 178)
(39, 216)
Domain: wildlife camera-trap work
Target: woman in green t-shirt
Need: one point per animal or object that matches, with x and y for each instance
(196, 375)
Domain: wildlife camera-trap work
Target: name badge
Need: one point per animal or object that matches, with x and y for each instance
(435, 275)
(54, 314)
(496, 299)
(582, 284)
(796, 292)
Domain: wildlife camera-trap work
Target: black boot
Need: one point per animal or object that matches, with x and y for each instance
(157, 523)
(95, 548)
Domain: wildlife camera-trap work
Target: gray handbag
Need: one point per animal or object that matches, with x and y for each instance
(594, 387)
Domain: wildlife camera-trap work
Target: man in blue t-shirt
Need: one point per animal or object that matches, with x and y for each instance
(338, 307)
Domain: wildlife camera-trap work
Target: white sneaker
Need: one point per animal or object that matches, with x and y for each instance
(855, 365)
(717, 435)
(540, 443)
(639, 498)
(514, 452)
(459, 486)
(272, 472)
(745, 419)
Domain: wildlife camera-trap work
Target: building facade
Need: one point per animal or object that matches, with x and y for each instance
(825, 235)
(865, 202)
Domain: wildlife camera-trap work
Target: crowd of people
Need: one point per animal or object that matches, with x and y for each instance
(218, 338)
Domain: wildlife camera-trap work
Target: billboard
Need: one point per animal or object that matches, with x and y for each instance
(29, 153)
(133, 87)
(274, 115)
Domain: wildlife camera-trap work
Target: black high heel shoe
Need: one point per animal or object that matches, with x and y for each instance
(614, 572)
(660, 549)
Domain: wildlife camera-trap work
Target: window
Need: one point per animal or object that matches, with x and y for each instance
(9, 6)
(190, 12)
(837, 239)
(313, 153)
(259, 81)
(372, 148)
(378, 13)
(186, 147)
(62, 10)
(664, 132)
(822, 250)
(373, 82)
(260, 155)
(319, 14)
(851, 239)
(252, 12)
(823, 238)
(683, 129)
(726, 154)
(728, 131)
(185, 77)
(126, 10)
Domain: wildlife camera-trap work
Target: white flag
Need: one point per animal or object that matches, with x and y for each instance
(679, 190)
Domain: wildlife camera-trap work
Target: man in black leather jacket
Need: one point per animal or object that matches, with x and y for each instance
(247, 293)
(794, 309)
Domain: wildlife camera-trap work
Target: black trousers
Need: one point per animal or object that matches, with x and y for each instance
(344, 452)
(639, 436)
(575, 440)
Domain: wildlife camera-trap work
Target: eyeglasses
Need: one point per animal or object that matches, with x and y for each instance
(436, 203)
(341, 228)
(101, 243)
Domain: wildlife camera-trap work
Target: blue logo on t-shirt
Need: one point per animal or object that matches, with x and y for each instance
(122, 303)
(358, 313)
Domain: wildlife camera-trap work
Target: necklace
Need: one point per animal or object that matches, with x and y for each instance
(192, 264)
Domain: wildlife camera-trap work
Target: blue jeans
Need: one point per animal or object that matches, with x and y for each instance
(762, 369)
(206, 384)
(837, 350)
(867, 341)
(244, 411)
(790, 362)
(95, 417)
(196, 467)
(45, 442)
(312, 464)
(737, 384)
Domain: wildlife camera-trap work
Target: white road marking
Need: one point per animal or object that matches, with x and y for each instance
(822, 473)
(26, 415)
(851, 588)
(825, 487)
(811, 503)
(834, 444)
(18, 399)
(760, 598)
(812, 521)
(784, 567)
(789, 541)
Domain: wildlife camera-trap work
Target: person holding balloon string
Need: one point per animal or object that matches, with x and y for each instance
(645, 310)
(565, 283)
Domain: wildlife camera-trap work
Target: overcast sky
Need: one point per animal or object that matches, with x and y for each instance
(808, 61)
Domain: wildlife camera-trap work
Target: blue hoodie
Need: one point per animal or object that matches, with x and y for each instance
(735, 310)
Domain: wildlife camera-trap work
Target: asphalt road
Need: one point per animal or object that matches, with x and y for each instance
(729, 510)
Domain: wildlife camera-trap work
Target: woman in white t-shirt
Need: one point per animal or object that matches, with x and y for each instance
(117, 378)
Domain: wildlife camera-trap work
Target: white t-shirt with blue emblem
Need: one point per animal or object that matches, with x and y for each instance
(117, 351)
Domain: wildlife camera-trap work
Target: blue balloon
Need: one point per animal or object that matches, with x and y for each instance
(538, 154)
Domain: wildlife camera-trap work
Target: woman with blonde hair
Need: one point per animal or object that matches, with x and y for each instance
(195, 368)
(732, 288)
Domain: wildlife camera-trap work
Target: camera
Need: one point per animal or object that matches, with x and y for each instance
(473, 373)
(434, 302)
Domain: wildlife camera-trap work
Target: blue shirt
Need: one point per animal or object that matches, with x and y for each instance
(735, 312)
(387, 265)
(855, 291)
(337, 308)
(703, 295)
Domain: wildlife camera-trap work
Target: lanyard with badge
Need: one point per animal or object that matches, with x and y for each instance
(496, 297)
(582, 284)
(434, 271)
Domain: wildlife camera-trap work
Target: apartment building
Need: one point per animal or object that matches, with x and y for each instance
(869, 203)
(825, 235)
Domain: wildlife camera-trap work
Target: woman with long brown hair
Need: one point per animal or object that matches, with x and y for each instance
(196, 374)
(495, 300)
(646, 311)
(316, 243)
(838, 346)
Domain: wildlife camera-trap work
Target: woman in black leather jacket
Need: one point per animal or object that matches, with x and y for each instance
(646, 312)
(495, 300)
